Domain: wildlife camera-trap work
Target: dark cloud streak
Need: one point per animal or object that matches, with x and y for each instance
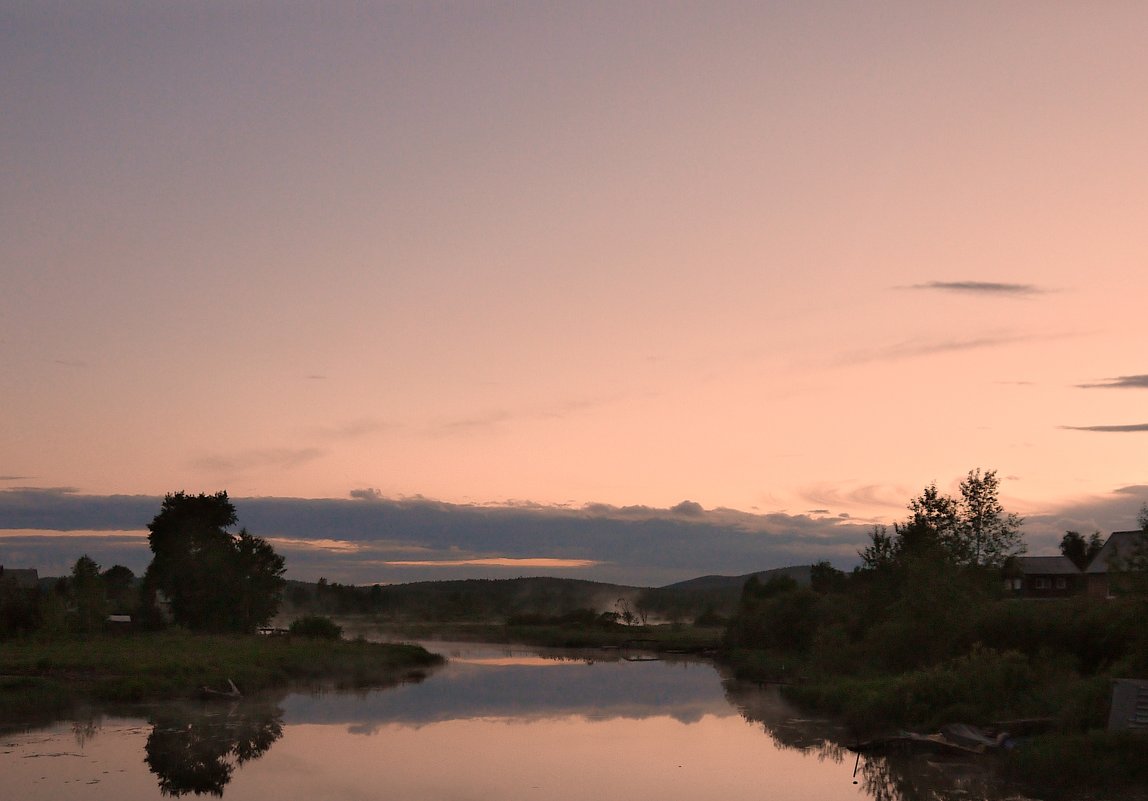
(353, 539)
(980, 288)
(1120, 382)
(1124, 429)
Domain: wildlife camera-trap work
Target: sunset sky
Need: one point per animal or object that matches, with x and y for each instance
(787, 261)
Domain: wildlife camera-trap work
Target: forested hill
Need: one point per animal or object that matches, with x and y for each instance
(500, 599)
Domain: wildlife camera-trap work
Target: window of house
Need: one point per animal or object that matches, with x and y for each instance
(1041, 583)
(1061, 583)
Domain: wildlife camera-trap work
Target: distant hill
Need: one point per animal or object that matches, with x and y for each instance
(460, 600)
(799, 573)
(499, 599)
(712, 595)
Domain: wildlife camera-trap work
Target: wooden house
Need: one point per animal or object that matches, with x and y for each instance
(1105, 575)
(23, 578)
(1043, 577)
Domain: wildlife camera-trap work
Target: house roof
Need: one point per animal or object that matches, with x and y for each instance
(1119, 545)
(21, 577)
(1046, 566)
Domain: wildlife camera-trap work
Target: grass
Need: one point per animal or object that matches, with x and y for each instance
(53, 673)
(1064, 766)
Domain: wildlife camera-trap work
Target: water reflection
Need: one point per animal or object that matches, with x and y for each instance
(195, 749)
(492, 682)
(495, 722)
(893, 777)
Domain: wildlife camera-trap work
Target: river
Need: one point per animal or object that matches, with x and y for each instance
(496, 722)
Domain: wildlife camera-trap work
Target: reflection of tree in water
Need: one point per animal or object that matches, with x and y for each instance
(196, 749)
(784, 724)
(86, 727)
(897, 777)
(918, 777)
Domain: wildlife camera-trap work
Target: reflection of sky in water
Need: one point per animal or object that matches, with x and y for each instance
(500, 686)
(494, 724)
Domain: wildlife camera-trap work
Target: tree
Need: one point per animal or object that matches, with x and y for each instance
(88, 594)
(824, 578)
(119, 584)
(1079, 550)
(971, 531)
(214, 580)
(987, 534)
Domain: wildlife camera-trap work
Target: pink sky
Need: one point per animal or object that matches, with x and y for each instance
(770, 257)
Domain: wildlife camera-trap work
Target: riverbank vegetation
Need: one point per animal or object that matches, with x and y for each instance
(51, 674)
(187, 628)
(922, 634)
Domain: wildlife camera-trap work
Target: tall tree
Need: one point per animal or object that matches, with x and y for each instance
(119, 584)
(971, 531)
(214, 580)
(88, 594)
(1079, 550)
(988, 534)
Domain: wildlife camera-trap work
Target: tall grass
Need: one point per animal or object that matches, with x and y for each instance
(178, 664)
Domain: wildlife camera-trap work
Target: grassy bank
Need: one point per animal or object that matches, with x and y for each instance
(981, 687)
(52, 674)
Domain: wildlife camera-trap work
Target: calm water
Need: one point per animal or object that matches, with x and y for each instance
(494, 723)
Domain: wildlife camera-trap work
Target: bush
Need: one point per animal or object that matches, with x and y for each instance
(1078, 763)
(316, 627)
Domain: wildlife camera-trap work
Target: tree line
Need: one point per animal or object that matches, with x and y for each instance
(202, 576)
(928, 604)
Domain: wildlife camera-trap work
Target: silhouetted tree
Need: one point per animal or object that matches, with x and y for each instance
(825, 578)
(971, 531)
(988, 535)
(214, 580)
(88, 595)
(1079, 550)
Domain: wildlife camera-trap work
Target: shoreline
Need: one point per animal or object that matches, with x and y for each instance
(53, 674)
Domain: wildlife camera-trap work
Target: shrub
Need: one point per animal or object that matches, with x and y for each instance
(316, 627)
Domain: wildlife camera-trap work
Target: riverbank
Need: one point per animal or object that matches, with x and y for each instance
(658, 638)
(52, 674)
(1073, 756)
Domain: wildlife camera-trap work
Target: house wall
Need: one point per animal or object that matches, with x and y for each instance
(1097, 585)
(1052, 586)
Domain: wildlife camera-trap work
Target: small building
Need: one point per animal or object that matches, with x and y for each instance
(22, 578)
(1043, 577)
(1104, 574)
(1129, 710)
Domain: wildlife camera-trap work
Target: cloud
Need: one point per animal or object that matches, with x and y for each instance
(284, 458)
(368, 538)
(980, 288)
(368, 494)
(16, 478)
(1120, 382)
(1114, 511)
(914, 348)
(869, 495)
(355, 429)
(494, 418)
(688, 509)
(1123, 429)
(498, 561)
